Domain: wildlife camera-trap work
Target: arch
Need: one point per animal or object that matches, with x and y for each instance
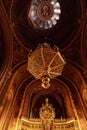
(5, 108)
(8, 47)
(35, 88)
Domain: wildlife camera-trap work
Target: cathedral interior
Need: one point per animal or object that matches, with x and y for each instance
(43, 64)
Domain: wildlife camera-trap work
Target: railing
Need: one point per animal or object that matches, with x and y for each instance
(36, 124)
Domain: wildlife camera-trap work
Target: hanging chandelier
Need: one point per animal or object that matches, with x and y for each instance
(45, 63)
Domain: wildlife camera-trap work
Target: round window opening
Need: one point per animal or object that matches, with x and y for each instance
(44, 14)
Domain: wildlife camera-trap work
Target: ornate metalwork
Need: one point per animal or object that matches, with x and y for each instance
(45, 63)
(47, 112)
(47, 121)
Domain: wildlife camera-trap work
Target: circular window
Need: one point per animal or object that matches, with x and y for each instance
(44, 14)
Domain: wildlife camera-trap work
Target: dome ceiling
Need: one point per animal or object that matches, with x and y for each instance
(44, 14)
(60, 34)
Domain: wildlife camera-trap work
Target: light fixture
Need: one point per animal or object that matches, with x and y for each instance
(44, 13)
(45, 63)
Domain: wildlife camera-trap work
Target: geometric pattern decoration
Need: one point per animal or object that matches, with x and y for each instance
(45, 63)
(44, 13)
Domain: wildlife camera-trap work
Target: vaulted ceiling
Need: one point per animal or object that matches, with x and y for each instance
(18, 36)
(67, 34)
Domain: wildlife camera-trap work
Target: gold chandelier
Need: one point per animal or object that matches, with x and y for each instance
(45, 63)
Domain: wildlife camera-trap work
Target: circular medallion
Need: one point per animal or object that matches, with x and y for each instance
(45, 10)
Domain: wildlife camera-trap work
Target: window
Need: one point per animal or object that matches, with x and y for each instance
(44, 14)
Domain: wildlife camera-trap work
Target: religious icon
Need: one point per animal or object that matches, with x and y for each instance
(45, 11)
